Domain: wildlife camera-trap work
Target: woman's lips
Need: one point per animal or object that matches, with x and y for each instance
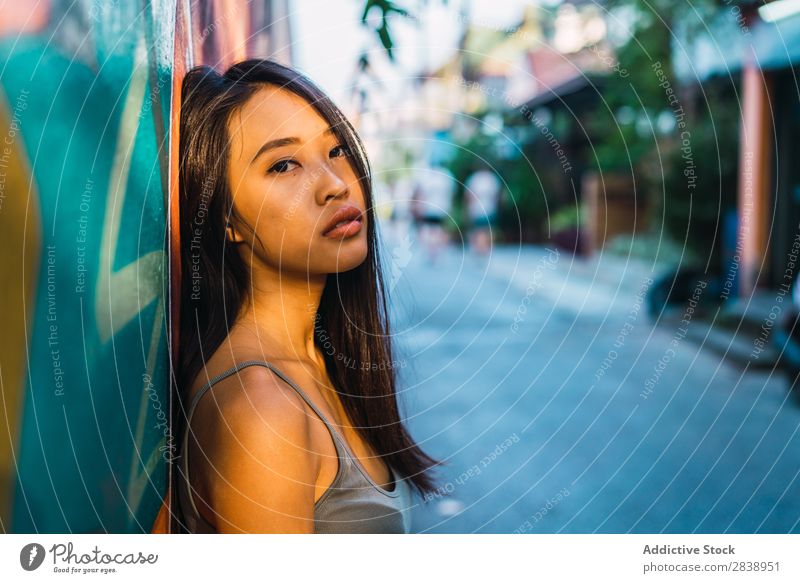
(345, 222)
(344, 229)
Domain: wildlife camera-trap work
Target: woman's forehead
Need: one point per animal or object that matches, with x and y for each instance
(274, 112)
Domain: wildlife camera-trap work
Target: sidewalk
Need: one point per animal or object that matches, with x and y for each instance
(740, 332)
(606, 283)
(583, 286)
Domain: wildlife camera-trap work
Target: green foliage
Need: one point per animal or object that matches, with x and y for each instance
(523, 205)
(386, 8)
(464, 162)
(565, 217)
(701, 175)
(637, 95)
(696, 192)
(642, 94)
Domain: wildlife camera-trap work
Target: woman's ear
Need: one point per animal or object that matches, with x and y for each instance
(233, 235)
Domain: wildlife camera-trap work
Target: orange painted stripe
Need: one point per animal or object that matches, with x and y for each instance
(232, 30)
(21, 228)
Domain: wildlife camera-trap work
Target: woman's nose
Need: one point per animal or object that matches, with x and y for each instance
(330, 185)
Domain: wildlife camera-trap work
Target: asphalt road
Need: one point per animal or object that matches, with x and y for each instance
(559, 407)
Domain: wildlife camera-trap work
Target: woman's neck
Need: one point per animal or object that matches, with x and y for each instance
(281, 310)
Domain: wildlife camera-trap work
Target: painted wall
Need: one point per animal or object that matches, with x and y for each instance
(86, 96)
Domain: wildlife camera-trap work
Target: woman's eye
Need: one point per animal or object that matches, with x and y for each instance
(342, 151)
(282, 166)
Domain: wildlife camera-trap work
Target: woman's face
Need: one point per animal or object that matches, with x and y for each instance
(288, 175)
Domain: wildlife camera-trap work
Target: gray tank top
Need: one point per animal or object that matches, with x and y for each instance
(354, 502)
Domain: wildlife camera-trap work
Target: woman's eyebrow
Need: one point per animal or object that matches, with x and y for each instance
(279, 142)
(272, 144)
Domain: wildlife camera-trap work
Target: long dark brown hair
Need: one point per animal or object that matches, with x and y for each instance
(352, 318)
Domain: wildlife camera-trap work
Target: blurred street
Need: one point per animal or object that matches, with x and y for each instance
(566, 422)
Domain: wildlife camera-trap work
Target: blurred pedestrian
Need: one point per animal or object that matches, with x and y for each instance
(433, 197)
(402, 207)
(482, 194)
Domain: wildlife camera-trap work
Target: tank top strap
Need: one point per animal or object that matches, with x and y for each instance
(338, 440)
(342, 450)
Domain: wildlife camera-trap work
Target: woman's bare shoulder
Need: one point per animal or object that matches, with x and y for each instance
(248, 400)
(259, 466)
(253, 402)
(255, 383)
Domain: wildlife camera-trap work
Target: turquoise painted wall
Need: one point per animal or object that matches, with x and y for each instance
(94, 430)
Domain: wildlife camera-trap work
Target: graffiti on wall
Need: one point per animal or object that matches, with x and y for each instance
(86, 96)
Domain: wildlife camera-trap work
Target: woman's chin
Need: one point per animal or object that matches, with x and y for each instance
(342, 266)
(347, 259)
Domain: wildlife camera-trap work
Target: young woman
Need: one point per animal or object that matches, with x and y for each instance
(286, 373)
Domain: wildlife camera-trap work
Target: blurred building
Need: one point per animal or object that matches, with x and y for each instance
(513, 83)
(759, 45)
